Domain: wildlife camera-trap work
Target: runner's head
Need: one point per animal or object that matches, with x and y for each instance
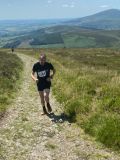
(42, 59)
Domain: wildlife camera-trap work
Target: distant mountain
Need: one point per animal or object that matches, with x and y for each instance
(108, 20)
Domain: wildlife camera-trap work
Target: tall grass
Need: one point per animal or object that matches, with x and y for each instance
(10, 70)
(87, 83)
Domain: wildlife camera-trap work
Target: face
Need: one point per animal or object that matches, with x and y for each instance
(42, 60)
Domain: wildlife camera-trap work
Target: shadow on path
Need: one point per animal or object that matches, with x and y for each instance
(58, 118)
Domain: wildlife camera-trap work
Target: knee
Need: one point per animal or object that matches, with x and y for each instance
(46, 97)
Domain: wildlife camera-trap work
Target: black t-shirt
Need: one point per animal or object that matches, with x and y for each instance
(43, 71)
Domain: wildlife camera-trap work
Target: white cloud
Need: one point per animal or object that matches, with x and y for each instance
(73, 2)
(104, 6)
(49, 1)
(72, 5)
(65, 5)
(9, 4)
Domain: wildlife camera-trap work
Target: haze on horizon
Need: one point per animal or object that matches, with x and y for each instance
(52, 9)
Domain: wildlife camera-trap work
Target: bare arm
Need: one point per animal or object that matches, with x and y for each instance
(33, 76)
(52, 74)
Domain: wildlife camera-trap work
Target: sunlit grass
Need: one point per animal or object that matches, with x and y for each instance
(87, 84)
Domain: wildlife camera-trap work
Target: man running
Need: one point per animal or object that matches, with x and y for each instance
(43, 81)
(12, 49)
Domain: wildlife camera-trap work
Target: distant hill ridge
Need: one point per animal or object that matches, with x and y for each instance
(108, 20)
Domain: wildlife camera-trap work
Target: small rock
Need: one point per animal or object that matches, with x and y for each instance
(60, 120)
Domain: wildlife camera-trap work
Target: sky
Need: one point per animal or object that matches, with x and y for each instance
(52, 9)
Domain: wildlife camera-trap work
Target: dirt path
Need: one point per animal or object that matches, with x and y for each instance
(26, 135)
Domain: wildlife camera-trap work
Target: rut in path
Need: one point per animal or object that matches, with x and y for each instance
(26, 135)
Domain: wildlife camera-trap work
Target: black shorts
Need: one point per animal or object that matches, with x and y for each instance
(43, 85)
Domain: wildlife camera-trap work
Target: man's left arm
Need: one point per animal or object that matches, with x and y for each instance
(53, 73)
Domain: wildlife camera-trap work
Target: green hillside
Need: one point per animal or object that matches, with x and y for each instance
(10, 70)
(68, 37)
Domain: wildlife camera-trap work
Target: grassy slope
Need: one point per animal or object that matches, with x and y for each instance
(10, 70)
(87, 83)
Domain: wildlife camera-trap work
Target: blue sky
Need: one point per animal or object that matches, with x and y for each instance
(46, 9)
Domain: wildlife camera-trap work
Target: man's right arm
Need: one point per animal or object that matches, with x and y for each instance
(33, 76)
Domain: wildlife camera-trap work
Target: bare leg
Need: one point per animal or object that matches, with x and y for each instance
(41, 93)
(46, 96)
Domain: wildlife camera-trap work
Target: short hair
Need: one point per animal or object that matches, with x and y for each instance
(43, 55)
